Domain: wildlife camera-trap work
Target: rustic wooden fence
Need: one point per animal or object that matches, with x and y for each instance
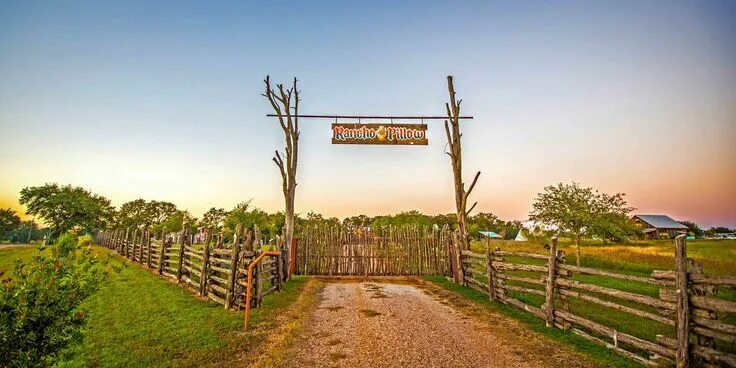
(695, 326)
(386, 251)
(214, 269)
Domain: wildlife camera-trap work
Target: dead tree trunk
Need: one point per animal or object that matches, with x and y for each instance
(452, 129)
(285, 104)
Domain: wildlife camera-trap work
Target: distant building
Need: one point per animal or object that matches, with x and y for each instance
(490, 234)
(520, 236)
(659, 226)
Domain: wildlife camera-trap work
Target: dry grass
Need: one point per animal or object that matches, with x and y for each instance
(717, 256)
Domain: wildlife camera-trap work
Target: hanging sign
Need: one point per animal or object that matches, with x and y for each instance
(396, 134)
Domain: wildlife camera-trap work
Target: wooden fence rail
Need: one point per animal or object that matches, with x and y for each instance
(697, 324)
(218, 274)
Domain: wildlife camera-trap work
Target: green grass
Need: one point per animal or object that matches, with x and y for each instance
(718, 257)
(640, 258)
(599, 354)
(139, 319)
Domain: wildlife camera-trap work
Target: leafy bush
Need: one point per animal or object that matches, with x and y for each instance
(65, 245)
(39, 304)
(85, 241)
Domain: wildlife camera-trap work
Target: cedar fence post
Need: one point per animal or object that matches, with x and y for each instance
(183, 242)
(489, 269)
(144, 230)
(230, 298)
(683, 303)
(124, 249)
(148, 249)
(162, 252)
(205, 263)
(458, 242)
(258, 279)
(550, 292)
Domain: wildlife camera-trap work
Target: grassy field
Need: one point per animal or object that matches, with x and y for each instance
(641, 258)
(717, 256)
(141, 320)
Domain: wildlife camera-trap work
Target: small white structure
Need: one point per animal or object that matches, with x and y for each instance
(520, 236)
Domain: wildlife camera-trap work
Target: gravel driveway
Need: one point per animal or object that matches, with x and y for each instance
(416, 324)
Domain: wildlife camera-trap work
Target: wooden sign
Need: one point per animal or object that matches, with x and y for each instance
(396, 134)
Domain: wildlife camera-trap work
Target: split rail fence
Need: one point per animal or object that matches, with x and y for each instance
(695, 326)
(387, 251)
(214, 269)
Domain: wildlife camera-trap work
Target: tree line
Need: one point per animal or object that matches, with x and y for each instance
(564, 209)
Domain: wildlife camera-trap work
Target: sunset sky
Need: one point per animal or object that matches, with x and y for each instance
(162, 100)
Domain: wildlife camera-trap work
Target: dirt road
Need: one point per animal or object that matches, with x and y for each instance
(417, 324)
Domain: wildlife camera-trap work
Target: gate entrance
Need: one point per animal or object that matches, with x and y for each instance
(388, 251)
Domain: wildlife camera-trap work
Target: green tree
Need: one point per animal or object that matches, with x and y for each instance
(245, 214)
(578, 211)
(133, 213)
(355, 222)
(214, 217)
(26, 232)
(9, 221)
(40, 313)
(694, 228)
(65, 207)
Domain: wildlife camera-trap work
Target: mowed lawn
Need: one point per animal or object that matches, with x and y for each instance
(139, 319)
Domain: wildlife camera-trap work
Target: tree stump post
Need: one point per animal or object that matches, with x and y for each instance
(257, 281)
(205, 263)
(682, 319)
(148, 249)
(162, 252)
(489, 270)
(230, 298)
(550, 292)
(143, 243)
(182, 244)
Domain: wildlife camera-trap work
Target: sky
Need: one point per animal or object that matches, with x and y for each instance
(162, 100)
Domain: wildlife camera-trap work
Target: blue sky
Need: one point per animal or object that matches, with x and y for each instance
(161, 100)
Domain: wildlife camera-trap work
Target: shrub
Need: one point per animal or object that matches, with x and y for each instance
(65, 245)
(85, 241)
(39, 305)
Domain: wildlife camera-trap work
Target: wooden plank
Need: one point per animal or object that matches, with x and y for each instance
(593, 271)
(519, 267)
(218, 289)
(731, 339)
(193, 271)
(619, 336)
(612, 305)
(526, 290)
(643, 299)
(712, 303)
(219, 269)
(215, 298)
(194, 255)
(615, 348)
(709, 354)
(523, 306)
(713, 324)
(525, 255)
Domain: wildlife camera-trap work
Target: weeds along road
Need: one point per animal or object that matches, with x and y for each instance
(416, 324)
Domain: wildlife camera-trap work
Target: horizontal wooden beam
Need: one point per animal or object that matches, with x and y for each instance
(378, 117)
